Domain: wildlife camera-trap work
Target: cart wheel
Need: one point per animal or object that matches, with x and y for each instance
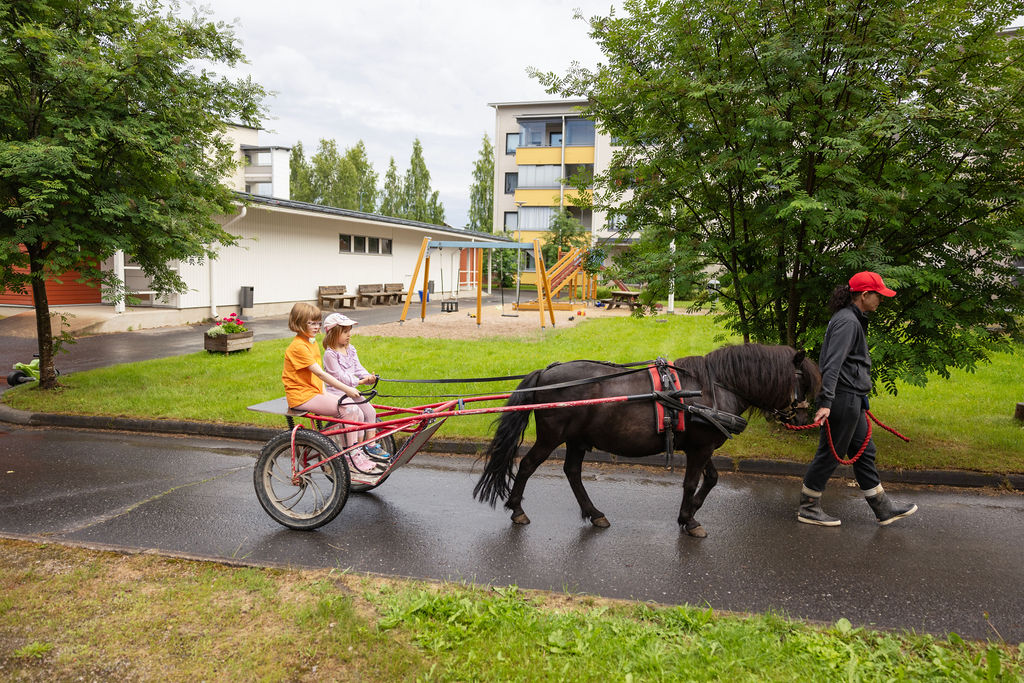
(307, 500)
(18, 377)
(388, 444)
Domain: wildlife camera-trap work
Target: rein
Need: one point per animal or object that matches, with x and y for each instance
(561, 385)
(863, 447)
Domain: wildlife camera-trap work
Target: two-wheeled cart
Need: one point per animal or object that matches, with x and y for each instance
(303, 477)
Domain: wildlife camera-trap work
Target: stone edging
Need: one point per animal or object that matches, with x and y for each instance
(723, 463)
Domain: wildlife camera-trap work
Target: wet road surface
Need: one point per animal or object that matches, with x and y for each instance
(944, 569)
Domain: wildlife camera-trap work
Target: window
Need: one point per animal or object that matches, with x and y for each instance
(529, 263)
(539, 176)
(511, 142)
(555, 139)
(535, 217)
(262, 189)
(573, 170)
(531, 133)
(360, 244)
(579, 132)
(511, 220)
(511, 182)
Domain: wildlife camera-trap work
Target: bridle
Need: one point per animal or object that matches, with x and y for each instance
(788, 414)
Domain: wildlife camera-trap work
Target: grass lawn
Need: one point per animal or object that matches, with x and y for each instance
(75, 614)
(965, 422)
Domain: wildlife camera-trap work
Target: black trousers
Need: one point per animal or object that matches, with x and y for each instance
(849, 426)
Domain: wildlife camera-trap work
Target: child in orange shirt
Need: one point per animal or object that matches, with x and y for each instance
(304, 379)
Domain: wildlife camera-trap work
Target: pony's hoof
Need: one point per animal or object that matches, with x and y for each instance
(697, 531)
(520, 519)
(601, 522)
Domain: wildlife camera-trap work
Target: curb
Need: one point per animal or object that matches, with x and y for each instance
(958, 478)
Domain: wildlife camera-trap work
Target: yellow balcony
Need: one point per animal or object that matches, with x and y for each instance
(543, 197)
(579, 155)
(552, 156)
(539, 156)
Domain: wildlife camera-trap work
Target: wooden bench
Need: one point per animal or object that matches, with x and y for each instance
(393, 293)
(369, 294)
(334, 296)
(622, 296)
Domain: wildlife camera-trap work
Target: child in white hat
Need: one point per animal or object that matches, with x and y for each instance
(342, 362)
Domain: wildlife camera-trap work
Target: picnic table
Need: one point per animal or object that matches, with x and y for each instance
(623, 296)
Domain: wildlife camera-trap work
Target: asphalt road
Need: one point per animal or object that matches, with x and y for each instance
(956, 566)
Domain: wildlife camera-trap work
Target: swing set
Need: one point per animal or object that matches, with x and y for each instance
(549, 283)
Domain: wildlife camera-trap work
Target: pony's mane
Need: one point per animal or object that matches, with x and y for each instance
(763, 375)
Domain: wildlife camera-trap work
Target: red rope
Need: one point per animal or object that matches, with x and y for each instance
(863, 447)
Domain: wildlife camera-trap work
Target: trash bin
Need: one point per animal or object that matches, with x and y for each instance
(245, 297)
(420, 293)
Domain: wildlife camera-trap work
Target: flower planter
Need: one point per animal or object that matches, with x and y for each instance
(226, 343)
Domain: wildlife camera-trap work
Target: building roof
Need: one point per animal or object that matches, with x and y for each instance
(530, 103)
(360, 215)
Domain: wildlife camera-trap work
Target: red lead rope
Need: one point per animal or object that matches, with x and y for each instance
(832, 447)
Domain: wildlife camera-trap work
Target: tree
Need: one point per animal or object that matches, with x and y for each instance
(300, 185)
(420, 202)
(481, 192)
(564, 234)
(343, 180)
(790, 145)
(392, 195)
(365, 178)
(112, 138)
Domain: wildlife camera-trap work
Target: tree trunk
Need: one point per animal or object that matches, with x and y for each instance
(44, 328)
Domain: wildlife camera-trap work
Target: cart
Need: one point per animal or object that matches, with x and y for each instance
(303, 477)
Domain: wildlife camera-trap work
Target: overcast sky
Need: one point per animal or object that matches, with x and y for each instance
(389, 71)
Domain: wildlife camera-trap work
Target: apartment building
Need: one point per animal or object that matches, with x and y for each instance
(539, 146)
(262, 169)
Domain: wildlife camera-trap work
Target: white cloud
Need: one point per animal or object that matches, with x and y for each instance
(389, 71)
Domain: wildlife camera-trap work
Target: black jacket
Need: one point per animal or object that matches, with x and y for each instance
(844, 361)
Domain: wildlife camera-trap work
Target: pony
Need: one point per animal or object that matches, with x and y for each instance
(778, 381)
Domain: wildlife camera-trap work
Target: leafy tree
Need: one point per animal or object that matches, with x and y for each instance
(112, 138)
(792, 145)
(421, 203)
(344, 180)
(481, 192)
(564, 233)
(392, 195)
(300, 181)
(365, 178)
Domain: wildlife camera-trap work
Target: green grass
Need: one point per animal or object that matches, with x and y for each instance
(75, 614)
(964, 422)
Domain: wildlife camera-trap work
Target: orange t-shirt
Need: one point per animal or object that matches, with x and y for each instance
(300, 384)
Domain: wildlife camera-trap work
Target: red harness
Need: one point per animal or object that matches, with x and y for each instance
(659, 408)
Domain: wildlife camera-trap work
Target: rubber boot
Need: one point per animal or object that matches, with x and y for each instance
(886, 509)
(810, 510)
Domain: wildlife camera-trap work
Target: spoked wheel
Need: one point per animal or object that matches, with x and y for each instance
(388, 444)
(311, 495)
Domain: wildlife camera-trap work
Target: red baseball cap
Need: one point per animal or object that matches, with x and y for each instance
(868, 281)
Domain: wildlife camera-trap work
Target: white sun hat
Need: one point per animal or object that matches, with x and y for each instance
(335, 319)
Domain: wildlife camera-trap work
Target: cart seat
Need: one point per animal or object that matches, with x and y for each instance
(277, 406)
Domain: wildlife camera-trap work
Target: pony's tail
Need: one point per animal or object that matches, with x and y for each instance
(496, 481)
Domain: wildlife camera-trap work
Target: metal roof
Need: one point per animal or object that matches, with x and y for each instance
(360, 215)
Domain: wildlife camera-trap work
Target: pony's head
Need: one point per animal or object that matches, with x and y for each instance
(779, 381)
(806, 384)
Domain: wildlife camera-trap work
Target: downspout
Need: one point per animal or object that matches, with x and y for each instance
(213, 300)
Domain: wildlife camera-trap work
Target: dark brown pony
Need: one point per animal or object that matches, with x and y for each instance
(776, 380)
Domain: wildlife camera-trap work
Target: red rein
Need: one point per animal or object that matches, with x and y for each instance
(863, 446)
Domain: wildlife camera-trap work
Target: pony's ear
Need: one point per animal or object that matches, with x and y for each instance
(798, 358)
